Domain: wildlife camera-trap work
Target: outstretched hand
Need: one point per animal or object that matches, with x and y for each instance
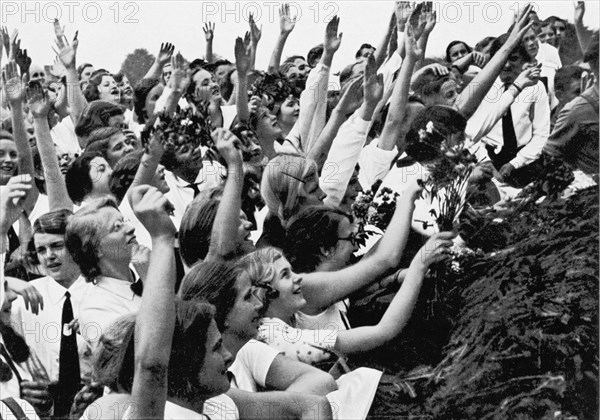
(436, 249)
(38, 101)
(243, 55)
(373, 82)
(579, 11)
(12, 196)
(165, 53)
(66, 53)
(209, 31)
(286, 21)
(14, 85)
(352, 96)
(332, 39)
(255, 31)
(152, 208)
(228, 146)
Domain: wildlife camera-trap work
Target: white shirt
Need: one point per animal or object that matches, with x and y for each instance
(531, 120)
(102, 303)
(63, 135)
(42, 332)
(550, 59)
(180, 195)
(342, 158)
(374, 163)
(251, 366)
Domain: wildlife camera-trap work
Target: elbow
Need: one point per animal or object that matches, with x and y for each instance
(323, 382)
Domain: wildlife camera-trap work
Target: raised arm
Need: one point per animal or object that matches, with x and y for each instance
(225, 227)
(163, 57)
(39, 105)
(12, 196)
(398, 313)
(14, 88)
(155, 321)
(351, 138)
(313, 101)
(393, 129)
(583, 35)
(286, 26)
(322, 289)
(255, 34)
(209, 35)
(428, 19)
(382, 49)
(67, 54)
(474, 93)
(350, 102)
(243, 63)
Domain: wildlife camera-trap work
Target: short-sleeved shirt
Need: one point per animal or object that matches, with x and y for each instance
(251, 366)
(307, 346)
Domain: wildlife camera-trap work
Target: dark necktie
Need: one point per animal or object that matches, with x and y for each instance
(194, 188)
(69, 377)
(137, 287)
(509, 149)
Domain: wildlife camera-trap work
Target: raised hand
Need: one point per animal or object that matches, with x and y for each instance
(209, 31)
(180, 77)
(332, 39)
(255, 31)
(22, 60)
(228, 146)
(59, 31)
(152, 208)
(352, 97)
(478, 59)
(12, 196)
(403, 10)
(521, 26)
(38, 101)
(165, 53)
(430, 19)
(373, 82)
(14, 85)
(66, 53)
(411, 45)
(528, 77)
(243, 55)
(5, 40)
(579, 11)
(286, 21)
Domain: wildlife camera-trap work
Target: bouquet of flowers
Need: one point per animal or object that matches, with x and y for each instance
(369, 212)
(448, 179)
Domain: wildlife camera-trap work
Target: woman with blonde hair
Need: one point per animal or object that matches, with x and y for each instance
(290, 182)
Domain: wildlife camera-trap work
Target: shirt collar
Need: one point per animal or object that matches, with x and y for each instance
(56, 291)
(181, 183)
(121, 288)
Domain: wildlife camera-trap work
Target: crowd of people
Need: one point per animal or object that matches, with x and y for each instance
(186, 247)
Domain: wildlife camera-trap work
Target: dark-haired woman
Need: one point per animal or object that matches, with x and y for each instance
(88, 177)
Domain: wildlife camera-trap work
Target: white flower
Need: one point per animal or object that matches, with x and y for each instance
(429, 127)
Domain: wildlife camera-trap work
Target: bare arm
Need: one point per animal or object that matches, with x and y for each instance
(381, 53)
(475, 92)
(67, 54)
(39, 105)
(393, 124)
(349, 102)
(164, 56)
(286, 374)
(286, 25)
(223, 238)
(243, 63)
(322, 289)
(14, 88)
(155, 321)
(583, 35)
(209, 34)
(398, 313)
(278, 405)
(255, 34)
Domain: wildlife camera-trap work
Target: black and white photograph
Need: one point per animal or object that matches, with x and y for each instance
(311, 210)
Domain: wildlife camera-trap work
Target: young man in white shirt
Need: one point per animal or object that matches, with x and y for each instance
(102, 243)
(47, 333)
